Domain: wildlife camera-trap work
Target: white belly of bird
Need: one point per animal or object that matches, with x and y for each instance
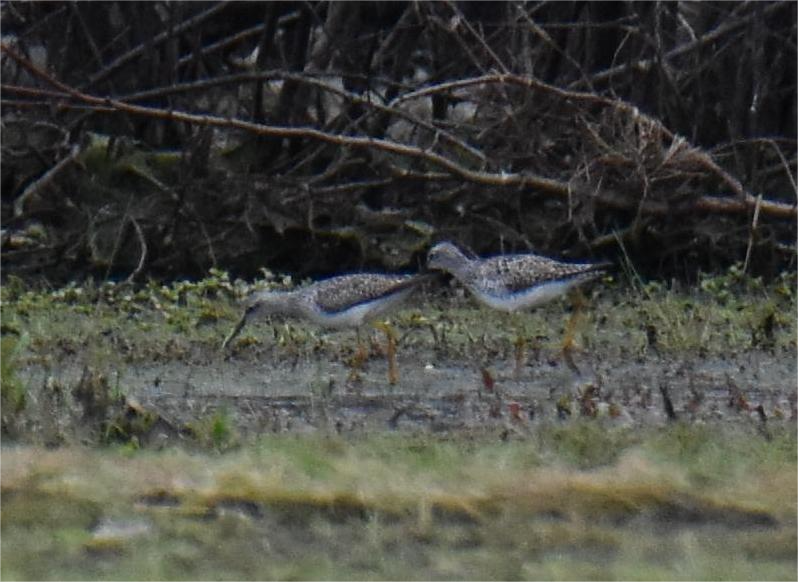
(532, 297)
(359, 314)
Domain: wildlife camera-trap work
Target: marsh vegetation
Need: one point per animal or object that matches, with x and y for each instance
(135, 448)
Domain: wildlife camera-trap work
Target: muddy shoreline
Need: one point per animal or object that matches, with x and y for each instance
(312, 393)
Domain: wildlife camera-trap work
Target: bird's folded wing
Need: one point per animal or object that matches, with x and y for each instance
(345, 292)
(511, 274)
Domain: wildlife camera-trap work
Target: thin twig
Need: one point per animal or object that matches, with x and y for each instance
(752, 233)
(785, 164)
(710, 37)
(143, 245)
(154, 42)
(46, 178)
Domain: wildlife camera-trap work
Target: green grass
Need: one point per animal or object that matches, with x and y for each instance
(13, 393)
(678, 502)
(114, 325)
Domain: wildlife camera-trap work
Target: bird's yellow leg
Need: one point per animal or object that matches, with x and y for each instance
(520, 345)
(357, 360)
(390, 352)
(578, 302)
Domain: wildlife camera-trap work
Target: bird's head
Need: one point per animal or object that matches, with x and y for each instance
(445, 256)
(262, 304)
(265, 303)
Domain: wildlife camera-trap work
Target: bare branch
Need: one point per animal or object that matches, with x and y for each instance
(44, 180)
(719, 32)
(160, 38)
(143, 245)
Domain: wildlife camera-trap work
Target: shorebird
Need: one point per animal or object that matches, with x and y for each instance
(513, 282)
(345, 301)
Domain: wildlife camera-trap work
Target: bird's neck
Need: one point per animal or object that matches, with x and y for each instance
(460, 265)
(280, 303)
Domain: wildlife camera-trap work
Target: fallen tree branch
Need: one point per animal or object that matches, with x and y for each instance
(744, 202)
(308, 79)
(481, 177)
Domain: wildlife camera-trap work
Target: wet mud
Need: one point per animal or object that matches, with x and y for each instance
(271, 393)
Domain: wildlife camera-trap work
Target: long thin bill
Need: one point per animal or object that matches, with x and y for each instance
(236, 330)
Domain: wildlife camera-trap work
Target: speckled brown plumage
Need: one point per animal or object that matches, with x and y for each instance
(346, 291)
(510, 274)
(346, 301)
(513, 281)
(340, 302)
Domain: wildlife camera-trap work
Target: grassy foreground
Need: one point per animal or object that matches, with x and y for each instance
(678, 502)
